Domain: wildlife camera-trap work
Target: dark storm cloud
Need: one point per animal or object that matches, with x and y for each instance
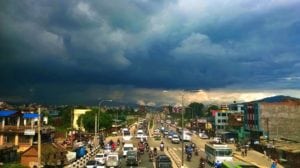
(48, 46)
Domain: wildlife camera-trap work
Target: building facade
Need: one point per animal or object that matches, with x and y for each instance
(21, 128)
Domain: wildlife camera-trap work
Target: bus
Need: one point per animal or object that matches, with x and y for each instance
(126, 134)
(218, 152)
(237, 164)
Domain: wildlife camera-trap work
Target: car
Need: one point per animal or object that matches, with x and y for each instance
(203, 136)
(170, 135)
(168, 121)
(163, 161)
(101, 157)
(175, 139)
(217, 140)
(139, 134)
(112, 160)
(166, 132)
(132, 158)
(127, 147)
(107, 149)
(94, 164)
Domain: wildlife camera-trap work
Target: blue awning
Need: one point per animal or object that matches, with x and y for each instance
(30, 115)
(7, 113)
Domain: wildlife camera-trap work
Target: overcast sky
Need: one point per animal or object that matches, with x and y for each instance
(61, 51)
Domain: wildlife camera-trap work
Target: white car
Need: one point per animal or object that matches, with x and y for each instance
(94, 164)
(175, 139)
(203, 136)
(101, 157)
(127, 147)
(107, 149)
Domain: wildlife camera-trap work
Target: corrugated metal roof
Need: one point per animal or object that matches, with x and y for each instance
(7, 113)
(30, 115)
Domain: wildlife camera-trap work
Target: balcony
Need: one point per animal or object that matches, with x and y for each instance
(21, 129)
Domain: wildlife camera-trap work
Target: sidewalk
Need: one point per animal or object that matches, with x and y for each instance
(255, 158)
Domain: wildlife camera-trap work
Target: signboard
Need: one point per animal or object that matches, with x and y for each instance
(202, 121)
(29, 132)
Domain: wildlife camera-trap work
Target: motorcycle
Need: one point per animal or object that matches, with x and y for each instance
(155, 152)
(161, 147)
(189, 157)
(202, 163)
(196, 152)
(150, 157)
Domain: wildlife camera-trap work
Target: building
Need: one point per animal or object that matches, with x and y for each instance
(76, 114)
(273, 120)
(51, 155)
(20, 129)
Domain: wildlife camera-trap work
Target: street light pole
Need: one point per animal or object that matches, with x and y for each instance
(182, 124)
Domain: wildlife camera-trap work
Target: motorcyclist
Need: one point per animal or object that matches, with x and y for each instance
(118, 142)
(162, 146)
(196, 151)
(154, 151)
(202, 162)
(150, 156)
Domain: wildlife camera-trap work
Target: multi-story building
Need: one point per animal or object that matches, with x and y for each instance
(273, 120)
(21, 128)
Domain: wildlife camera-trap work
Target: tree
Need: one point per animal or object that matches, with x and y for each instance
(196, 109)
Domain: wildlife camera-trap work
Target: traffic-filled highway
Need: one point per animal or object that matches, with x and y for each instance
(153, 142)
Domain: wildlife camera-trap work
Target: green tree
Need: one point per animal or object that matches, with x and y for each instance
(105, 120)
(195, 109)
(88, 121)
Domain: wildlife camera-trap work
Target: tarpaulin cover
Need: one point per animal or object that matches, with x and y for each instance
(7, 113)
(30, 115)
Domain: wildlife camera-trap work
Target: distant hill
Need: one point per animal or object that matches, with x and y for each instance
(279, 98)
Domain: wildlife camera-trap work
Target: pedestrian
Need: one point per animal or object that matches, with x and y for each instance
(265, 152)
(246, 151)
(274, 164)
(243, 151)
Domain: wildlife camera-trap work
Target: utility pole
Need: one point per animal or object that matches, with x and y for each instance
(39, 137)
(182, 126)
(268, 130)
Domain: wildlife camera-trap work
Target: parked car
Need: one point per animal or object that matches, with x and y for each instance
(132, 158)
(163, 161)
(175, 139)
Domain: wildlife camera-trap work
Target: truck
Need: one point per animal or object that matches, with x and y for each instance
(112, 160)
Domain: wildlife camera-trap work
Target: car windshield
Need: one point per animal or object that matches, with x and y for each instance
(128, 148)
(224, 152)
(91, 162)
(175, 136)
(126, 133)
(100, 156)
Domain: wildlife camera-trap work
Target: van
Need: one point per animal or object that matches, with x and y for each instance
(112, 160)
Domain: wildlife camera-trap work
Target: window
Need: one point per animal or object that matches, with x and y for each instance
(219, 114)
(219, 121)
(224, 121)
(224, 114)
